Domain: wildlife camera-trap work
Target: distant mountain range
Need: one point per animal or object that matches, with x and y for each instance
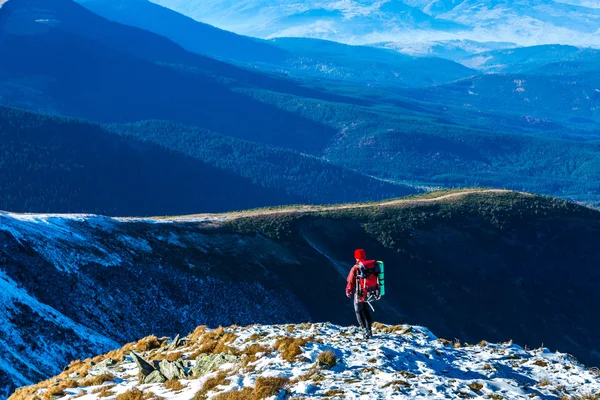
(525, 22)
(301, 117)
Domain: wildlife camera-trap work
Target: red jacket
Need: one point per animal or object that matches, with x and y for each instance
(351, 280)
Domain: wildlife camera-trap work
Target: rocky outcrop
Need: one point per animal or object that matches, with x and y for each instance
(336, 362)
(209, 362)
(172, 369)
(144, 367)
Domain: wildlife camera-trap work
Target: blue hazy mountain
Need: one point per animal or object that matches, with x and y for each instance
(298, 57)
(525, 22)
(533, 59)
(60, 57)
(190, 34)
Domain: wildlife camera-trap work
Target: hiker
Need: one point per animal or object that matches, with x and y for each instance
(363, 281)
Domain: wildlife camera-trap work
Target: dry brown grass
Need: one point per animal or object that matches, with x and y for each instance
(104, 391)
(476, 386)
(148, 343)
(334, 392)
(197, 334)
(290, 347)
(136, 394)
(215, 342)
(540, 363)
(267, 387)
(495, 396)
(388, 329)
(256, 348)
(445, 342)
(172, 356)
(219, 379)
(97, 380)
(244, 394)
(483, 343)
(327, 358)
(174, 385)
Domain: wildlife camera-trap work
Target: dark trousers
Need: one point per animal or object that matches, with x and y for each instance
(363, 315)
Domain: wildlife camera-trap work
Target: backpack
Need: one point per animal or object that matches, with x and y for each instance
(367, 281)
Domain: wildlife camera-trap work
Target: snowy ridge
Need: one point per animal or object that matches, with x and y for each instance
(403, 362)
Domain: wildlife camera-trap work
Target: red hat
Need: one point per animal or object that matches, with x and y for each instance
(360, 254)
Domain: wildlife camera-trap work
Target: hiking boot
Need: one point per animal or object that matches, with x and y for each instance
(367, 334)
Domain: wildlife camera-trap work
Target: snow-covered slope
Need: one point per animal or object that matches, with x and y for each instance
(403, 362)
(525, 22)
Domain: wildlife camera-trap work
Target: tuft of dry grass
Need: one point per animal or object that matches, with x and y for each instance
(390, 329)
(476, 386)
(174, 385)
(334, 392)
(494, 396)
(215, 342)
(267, 387)
(256, 348)
(197, 334)
(244, 394)
(136, 394)
(148, 343)
(327, 358)
(290, 347)
(540, 363)
(97, 380)
(483, 343)
(104, 391)
(219, 379)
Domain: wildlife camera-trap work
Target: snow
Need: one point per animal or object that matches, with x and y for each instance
(62, 240)
(405, 362)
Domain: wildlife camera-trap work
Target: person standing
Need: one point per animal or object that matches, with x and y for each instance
(360, 281)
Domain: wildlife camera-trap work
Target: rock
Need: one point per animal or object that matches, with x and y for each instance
(108, 363)
(175, 343)
(144, 366)
(172, 369)
(208, 362)
(154, 377)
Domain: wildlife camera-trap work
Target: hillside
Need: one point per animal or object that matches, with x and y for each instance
(159, 168)
(471, 265)
(320, 360)
(311, 179)
(54, 164)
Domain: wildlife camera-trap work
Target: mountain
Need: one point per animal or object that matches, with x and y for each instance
(525, 22)
(454, 50)
(311, 179)
(323, 59)
(530, 59)
(124, 74)
(54, 164)
(296, 57)
(159, 168)
(470, 264)
(190, 34)
(321, 360)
